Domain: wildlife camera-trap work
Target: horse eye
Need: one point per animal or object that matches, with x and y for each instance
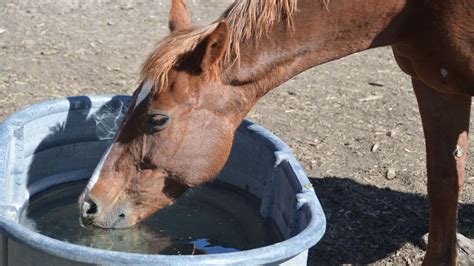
(157, 121)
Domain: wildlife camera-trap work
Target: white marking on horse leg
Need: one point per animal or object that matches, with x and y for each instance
(458, 152)
(444, 72)
(144, 92)
(95, 174)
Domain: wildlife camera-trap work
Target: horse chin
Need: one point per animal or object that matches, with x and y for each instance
(115, 223)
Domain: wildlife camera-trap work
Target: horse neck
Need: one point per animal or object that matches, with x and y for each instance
(320, 33)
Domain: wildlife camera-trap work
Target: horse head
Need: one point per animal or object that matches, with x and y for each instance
(177, 132)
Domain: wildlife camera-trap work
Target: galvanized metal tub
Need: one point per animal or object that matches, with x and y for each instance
(59, 141)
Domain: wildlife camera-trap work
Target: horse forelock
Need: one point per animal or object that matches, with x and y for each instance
(168, 53)
(247, 19)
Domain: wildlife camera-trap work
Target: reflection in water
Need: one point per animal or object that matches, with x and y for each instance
(206, 220)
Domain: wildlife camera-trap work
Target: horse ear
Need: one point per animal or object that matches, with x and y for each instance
(216, 44)
(179, 17)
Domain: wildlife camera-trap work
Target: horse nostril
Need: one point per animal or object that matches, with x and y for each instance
(122, 215)
(89, 208)
(92, 209)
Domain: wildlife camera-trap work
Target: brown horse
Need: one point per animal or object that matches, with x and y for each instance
(200, 82)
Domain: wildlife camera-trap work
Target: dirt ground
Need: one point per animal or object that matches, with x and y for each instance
(331, 116)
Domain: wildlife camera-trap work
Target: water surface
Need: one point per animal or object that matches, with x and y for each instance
(210, 219)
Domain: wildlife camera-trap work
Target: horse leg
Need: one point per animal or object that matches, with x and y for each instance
(445, 119)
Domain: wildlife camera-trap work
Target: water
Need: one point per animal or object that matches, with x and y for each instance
(205, 220)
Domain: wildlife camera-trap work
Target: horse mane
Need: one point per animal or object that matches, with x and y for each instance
(247, 20)
(252, 20)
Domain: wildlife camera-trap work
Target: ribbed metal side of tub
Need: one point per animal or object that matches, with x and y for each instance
(62, 140)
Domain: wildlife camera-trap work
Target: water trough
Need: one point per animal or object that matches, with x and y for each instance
(36, 147)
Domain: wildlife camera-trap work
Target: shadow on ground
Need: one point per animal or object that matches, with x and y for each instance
(366, 223)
